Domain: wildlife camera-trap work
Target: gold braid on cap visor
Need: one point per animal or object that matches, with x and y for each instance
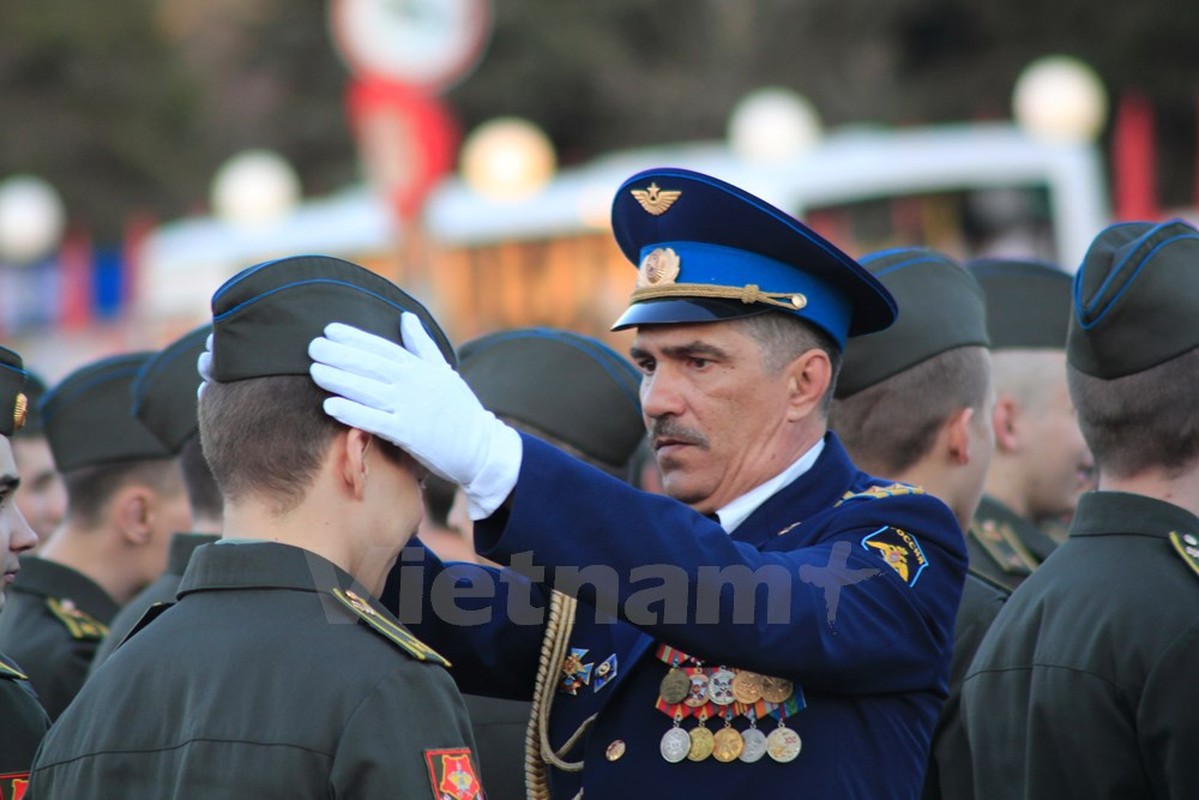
(748, 294)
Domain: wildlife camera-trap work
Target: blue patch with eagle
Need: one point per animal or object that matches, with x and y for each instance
(900, 550)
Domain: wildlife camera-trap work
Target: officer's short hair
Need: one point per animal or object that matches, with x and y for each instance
(266, 437)
(784, 338)
(1146, 420)
(202, 492)
(889, 426)
(90, 488)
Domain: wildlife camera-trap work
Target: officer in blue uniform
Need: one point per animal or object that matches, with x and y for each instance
(781, 624)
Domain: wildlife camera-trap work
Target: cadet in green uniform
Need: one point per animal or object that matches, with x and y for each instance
(581, 396)
(125, 498)
(164, 400)
(914, 404)
(277, 673)
(1041, 463)
(1085, 684)
(43, 498)
(23, 722)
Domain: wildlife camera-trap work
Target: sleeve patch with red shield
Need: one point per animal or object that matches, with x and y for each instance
(453, 774)
(13, 785)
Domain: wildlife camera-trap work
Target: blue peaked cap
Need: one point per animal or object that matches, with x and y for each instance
(707, 251)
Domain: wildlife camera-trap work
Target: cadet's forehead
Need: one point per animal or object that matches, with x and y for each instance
(8, 463)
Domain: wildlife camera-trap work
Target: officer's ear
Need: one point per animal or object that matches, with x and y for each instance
(132, 511)
(809, 376)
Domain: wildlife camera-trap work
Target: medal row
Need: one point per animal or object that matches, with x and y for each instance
(728, 744)
(698, 686)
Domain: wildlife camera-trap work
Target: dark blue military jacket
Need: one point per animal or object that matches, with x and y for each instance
(860, 583)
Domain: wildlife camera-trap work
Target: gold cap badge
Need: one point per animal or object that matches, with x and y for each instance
(19, 411)
(659, 267)
(654, 200)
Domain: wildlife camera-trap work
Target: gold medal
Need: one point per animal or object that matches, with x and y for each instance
(702, 743)
(675, 745)
(747, 687)
(674, 686)
(755, 745)
(783, 744)
(776, 690)
(727, 745)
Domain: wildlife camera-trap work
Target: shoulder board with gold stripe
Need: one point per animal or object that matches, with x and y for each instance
(83, 626)
(12, 673)
(1187, 546)
(879, 492)
(392, 630)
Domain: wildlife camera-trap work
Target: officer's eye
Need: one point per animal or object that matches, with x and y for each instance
(646, 365)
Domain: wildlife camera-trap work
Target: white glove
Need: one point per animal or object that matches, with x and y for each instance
(410, 396)
(204, 366)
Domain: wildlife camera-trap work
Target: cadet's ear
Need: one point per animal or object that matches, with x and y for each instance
(352, 447)
(957, 430)
(1006, 421)
(132, 509)
(810, 375)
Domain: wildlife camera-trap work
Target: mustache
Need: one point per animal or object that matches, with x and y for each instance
(671, 429)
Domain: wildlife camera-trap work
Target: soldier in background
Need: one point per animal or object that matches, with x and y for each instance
(164, 400)
(125, 498)
(914, 404)
(277, 673)
(43, 498)
(1085, 684)
(23, 721)
(1041, 464)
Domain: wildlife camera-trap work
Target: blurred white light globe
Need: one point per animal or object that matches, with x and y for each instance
(32, 219)
(254, 188)
(1060, 99)
(508, 159)
(772, 125)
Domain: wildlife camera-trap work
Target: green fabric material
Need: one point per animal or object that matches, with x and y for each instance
(164, 394)
(1028, 303)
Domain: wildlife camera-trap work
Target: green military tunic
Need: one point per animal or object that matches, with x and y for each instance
(1003, 546)
(23, 723)
(53, 621)
(1086, 685)
(949, 774)
(275, 675)
(160, 591)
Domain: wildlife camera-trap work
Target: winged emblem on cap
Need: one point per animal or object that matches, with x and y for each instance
(654, 200)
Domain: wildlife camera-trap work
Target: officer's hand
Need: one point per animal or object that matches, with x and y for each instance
(412, 397)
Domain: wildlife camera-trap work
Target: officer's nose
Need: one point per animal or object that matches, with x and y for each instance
(660, 395)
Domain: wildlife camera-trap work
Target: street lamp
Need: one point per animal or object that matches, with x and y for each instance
(508, 159)
(255, 188)
(1060, 99)
(772, 125)
(32, 219)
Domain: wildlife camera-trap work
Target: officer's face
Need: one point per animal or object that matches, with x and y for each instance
(714, 413)
(16, 536)
(43, 498)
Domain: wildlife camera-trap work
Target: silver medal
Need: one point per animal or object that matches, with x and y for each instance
(755, 745)
(675, 745)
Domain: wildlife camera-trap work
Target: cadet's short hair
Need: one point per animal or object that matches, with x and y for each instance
(202, 492)
(891, 425)
(266, 437)
(90, 488)
(784, 338)
(1146, 420)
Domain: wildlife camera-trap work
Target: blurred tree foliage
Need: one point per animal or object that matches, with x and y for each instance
(130, 105)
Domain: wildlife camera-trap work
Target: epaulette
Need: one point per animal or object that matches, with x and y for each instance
(9, 672)
(82, 626)
(390, 629)
(1187, 546)
(1003, 546)
(879, 492)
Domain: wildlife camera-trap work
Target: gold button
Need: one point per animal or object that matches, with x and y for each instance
(615, 750)
(799, 301)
